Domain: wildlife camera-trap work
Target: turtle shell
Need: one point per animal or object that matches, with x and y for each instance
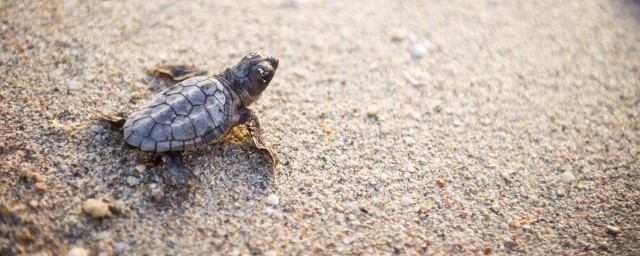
(185, 116)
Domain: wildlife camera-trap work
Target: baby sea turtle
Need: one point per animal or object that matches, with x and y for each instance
(200, 110)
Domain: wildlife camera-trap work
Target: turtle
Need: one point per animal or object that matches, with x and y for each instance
(198, 110)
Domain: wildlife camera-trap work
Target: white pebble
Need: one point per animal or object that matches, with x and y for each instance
(270, 253)
(96, 128)
(406, 201)
(78, 251)
(613, 229)
(409, 168)
(73, 84)
(568, 177)
(347, 240)
(118, 247)
(419, 51)
(133, 181)
(273, 200)
(101, 236)
(140, 168)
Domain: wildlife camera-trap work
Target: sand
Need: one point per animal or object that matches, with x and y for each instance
(405, 127)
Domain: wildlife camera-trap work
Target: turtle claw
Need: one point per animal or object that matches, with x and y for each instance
(176, 173)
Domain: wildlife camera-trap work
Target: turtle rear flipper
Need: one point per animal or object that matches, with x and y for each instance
(116, 120)
(179, 72)
(176, 172)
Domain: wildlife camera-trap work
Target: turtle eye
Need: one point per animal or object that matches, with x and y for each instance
(265, 75)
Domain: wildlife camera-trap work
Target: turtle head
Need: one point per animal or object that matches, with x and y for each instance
(252, 75)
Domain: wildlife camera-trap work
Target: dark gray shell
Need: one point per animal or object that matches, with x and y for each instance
(187, 115)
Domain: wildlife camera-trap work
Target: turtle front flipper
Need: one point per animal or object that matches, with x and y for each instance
(176, 172)
(253, 125)
(179, 72)
(257, 140)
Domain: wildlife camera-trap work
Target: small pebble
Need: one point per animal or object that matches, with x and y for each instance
(41, 186)
(78, 251)
(409, 168)
(327, 130)
(604, 245)
(270, 253)
(440, 183)
(96, 208)
(101, 236)
(273, 200)
(418, 51)
(133, 181)
(373, 111)
(397, 36)
(96, 128)
(347, 240)
(118, 247)
(73, 84)
(613, 229)
(424, 209)
(140, 168)
(568, 177)
(117, 206)
(406, 201)
(418, 77)
(157, 193)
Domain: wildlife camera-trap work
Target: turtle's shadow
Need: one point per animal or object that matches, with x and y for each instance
(225, 170)
(234, 161)
(232, 165)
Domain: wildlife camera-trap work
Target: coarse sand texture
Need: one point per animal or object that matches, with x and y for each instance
(400, 127)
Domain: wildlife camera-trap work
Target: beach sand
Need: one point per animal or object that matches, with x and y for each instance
(404, 127)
